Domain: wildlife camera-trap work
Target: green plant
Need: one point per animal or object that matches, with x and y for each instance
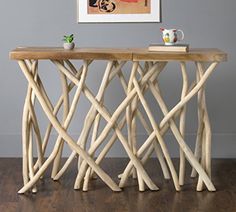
(68, 38)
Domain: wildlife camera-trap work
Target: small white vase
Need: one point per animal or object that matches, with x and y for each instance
(69, 46)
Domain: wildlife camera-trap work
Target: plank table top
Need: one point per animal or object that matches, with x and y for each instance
(133, 54)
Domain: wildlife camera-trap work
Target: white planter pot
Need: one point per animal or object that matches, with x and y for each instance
(69, 46)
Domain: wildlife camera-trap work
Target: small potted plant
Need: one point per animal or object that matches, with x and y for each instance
(68, 42)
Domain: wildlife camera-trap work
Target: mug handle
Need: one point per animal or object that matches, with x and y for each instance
(179, 30)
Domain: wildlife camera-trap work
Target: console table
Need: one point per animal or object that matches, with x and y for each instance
(143, 77)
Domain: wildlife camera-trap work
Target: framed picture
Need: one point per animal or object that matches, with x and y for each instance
(118, 11)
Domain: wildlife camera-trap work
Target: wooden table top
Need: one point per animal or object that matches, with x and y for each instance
(201, 54)
(135, 54)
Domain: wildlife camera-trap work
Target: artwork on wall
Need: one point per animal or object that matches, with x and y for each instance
(118, 10)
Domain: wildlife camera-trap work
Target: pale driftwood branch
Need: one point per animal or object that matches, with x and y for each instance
(55, 110)
(31, 157)
(104, 81)
(64, 135)
(187, 151)
(73, 154)
(182, 122)
(92, 114)
(65, 93)
(190, 94)
(159, 67)
(100, 95)
(25, 123)
(110, 143)
(158, 135)
(128, 110)
(33, 125)
(123, 105)
(150, 147)
(206, 138)
(37, 133)
(102, 154)
(200, 129)
(111, 122)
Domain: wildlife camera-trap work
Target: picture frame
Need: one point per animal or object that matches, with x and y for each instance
(118, 11)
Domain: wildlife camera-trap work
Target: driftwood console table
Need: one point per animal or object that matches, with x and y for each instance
(143, 77)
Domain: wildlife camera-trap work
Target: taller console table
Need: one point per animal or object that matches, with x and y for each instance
(143, 77)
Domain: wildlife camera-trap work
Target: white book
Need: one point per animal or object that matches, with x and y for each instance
(166, 48)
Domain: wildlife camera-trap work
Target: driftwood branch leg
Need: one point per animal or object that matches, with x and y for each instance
(120, 126)
(101, 91)
(63, 135)
(129, 117)
(31, 157)
(182, 122)
(66, 103)
(125, 174)
(193, 161)
(94, 136)
(88, 122)
(158, 135)
(111, 122)
(92, 113)
(26, 123)
(200, 129)
(108, 146)
(150, 147)
(55, 111)
(206, 135)
(192, 93)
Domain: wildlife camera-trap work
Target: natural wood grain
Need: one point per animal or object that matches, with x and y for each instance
(54, 53)
(201, 54)
(135, 54)
(61, 196)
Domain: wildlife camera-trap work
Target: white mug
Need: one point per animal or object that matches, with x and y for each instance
(170, 36)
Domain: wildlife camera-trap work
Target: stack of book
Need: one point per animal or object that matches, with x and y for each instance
(166, 48)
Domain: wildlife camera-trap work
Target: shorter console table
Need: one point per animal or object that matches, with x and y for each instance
(143, 76)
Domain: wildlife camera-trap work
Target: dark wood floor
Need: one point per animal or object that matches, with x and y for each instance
(60, 196)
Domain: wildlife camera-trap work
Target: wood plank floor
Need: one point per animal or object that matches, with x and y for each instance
(60, 196)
